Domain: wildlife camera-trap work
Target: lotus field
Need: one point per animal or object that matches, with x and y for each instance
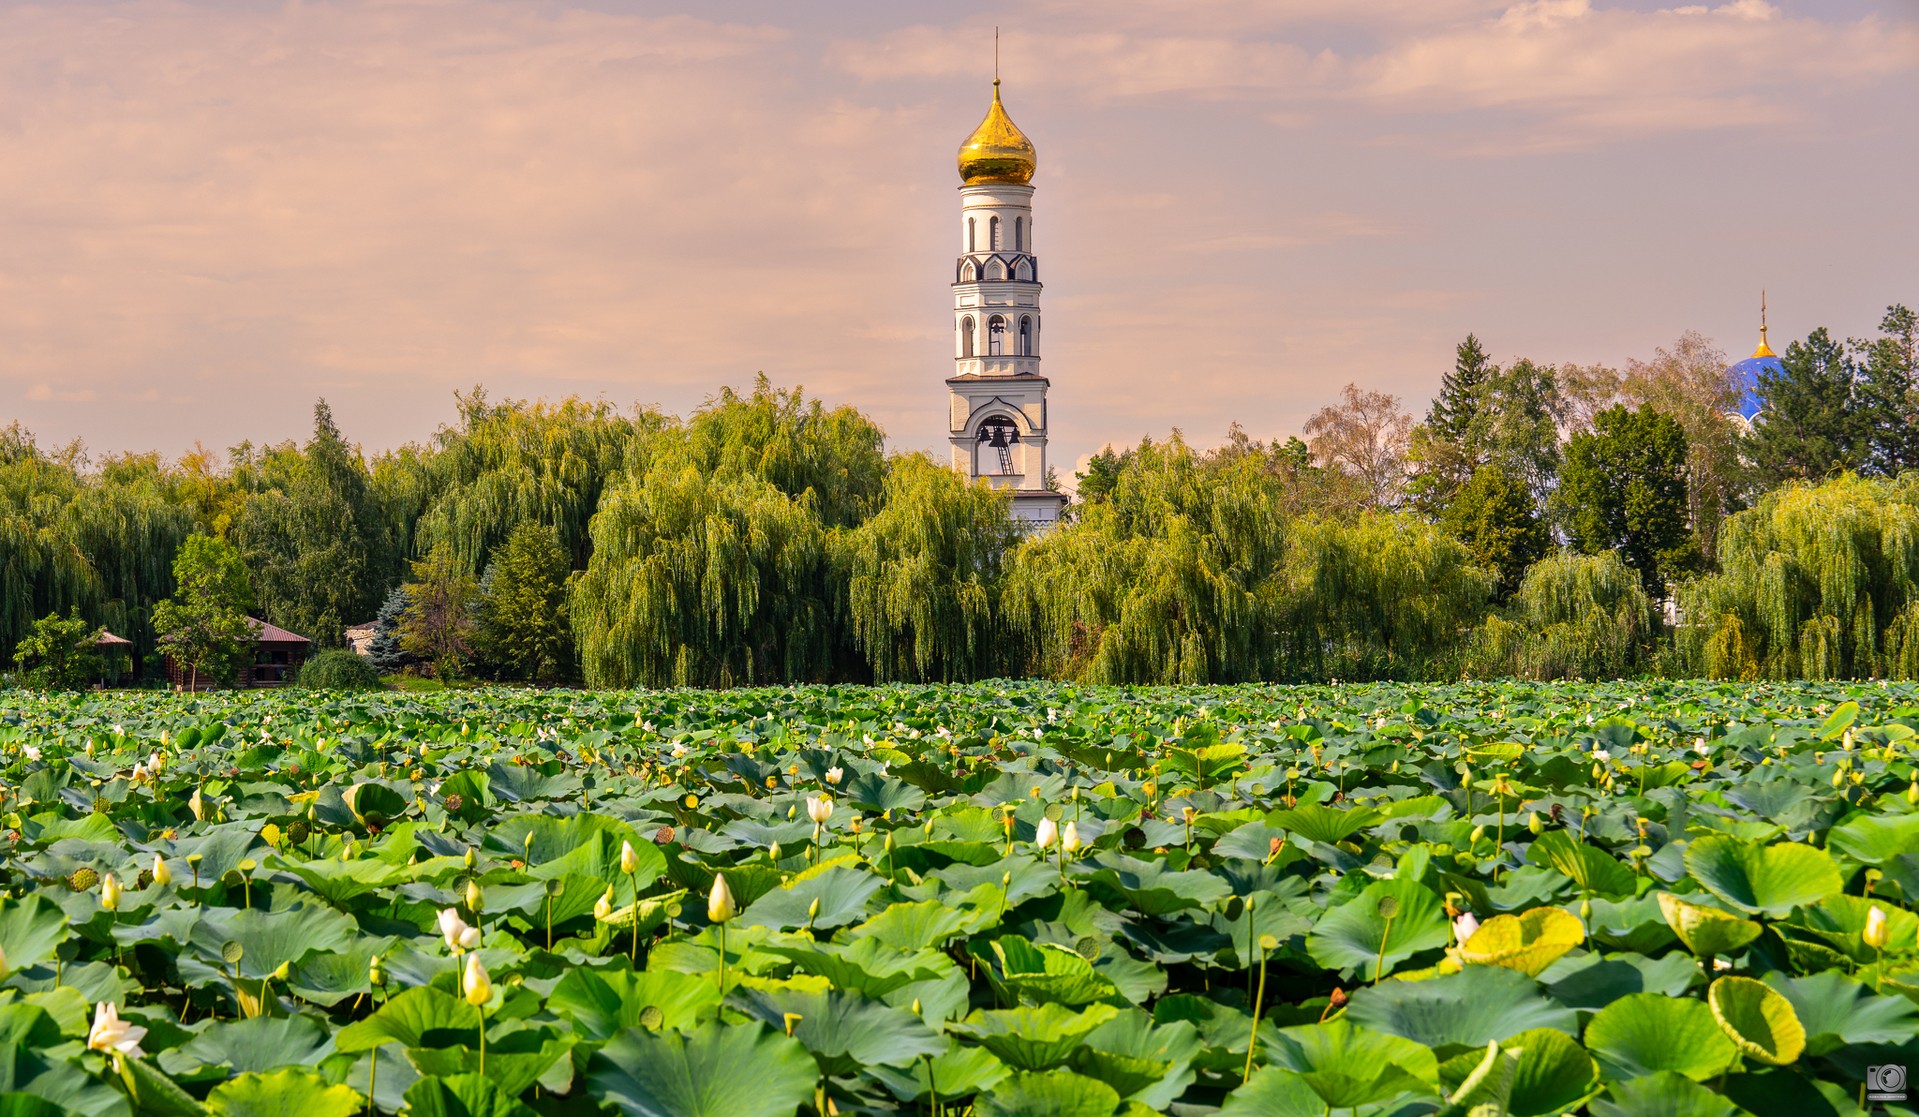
(1631, 899)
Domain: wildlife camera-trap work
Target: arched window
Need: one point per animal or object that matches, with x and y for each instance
(995, 336)
(1019, 234)
(1025, 337)
(966, 336)
(970, 247)
(992, 229)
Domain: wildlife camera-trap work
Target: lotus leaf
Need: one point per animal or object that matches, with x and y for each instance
(1527, 943)
(1707, 932)
(1646, 1033)
(1766, 879)
(1357, 936)
(1760, 1022)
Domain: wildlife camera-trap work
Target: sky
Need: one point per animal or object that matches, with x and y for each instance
(213, 212)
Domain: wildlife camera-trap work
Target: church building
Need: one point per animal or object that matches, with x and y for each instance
(998, 414)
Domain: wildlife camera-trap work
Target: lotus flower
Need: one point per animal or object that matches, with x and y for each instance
(457, 934)
(30, 752)
(110, 1033)
(162, 875)
(110, 892)
(603, 907)
(1069, 841)
(1876, 928)
(474, 982)
(1464, 926)
(834, 774)
(629, 859)
(1046, 834)
(719, 903)
(819, 809)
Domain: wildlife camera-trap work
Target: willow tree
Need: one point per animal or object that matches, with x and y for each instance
(1383, 595)
(1574, 617)
(508, 464)
(704, 580)
(1814, 581)
(795, 444)
(920, 579)
(1173, 576)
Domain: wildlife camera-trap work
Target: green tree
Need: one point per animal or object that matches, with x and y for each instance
(314, 534)
(1574, 617)
(1888, 394)
(1693, 383)
(523, 628)
(1814, 581)
(438, 624)
(59, 653)
(386, 651)
(204, 626)
(922, 576)
(1624, 489)
(1812, 424)
(1517, 424)
(1444, 449)
(1498, 520)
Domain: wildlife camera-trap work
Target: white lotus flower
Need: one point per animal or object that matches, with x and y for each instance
(1699, 746)
(30, 752)
(1601, 755)
(1069, 841)
(1046, 834)
(1464, 926)
(110, 1033)
(455, 931)
(835, 774)
(819, 809)
(1876, 928)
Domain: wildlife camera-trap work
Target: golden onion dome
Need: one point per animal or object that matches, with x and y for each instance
(997, 151)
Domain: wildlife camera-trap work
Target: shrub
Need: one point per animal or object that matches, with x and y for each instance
(338, 669)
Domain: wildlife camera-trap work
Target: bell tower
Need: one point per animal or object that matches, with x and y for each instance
(998, 415)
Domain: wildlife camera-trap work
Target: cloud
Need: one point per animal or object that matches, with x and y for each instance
(42, 393)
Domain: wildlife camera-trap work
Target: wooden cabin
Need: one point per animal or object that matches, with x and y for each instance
(277, 654)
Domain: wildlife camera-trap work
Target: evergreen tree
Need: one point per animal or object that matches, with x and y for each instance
(1888, 395)
(1499, 522)
(1813, 423)
(1445, 449)
(523, 628)
(314, 535)
(386, 651)
(204, 626)
(1624, 489)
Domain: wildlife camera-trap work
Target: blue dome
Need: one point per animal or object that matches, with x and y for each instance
(1747, 373)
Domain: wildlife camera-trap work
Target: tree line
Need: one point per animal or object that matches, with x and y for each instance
(1539, 520)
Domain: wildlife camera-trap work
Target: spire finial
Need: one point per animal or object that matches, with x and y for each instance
(1764, 350)
(996, 61)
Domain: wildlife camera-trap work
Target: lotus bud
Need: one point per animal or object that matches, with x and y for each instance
(1912, 792)
(473, 859)
(1839, 778)
(281, 971)
(1585, 909)
(603, 907)
(1534, 823)
(474, 982)
(110, 892)
(773, 852)
(719, 903)
(1045, 834)
(474, 897)
(374, 975)
(198, 806)
(162, 875)
(629, 859)
(1069, 840)
(1876, 928)
(1478, 832)
(813, 910)
(1464, 926)
(916, 1006)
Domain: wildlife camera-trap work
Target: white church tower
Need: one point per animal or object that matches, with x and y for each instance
(999, 421)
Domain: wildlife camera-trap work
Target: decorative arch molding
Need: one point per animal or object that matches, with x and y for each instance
(1003, 409)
